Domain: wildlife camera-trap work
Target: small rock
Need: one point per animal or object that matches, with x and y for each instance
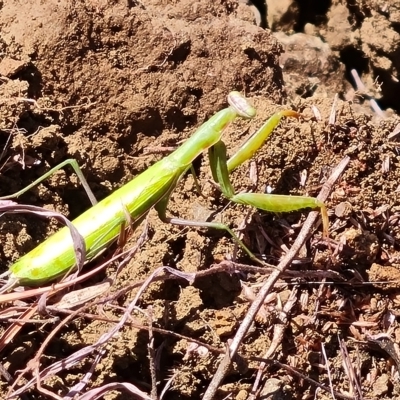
(282, 15)
(364, 244)
(343, 209)
(384, 273)
(188, 303)
(380, 386)
(10, 67)
(272, 390)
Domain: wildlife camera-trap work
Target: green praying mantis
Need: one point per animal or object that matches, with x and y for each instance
(100, 225)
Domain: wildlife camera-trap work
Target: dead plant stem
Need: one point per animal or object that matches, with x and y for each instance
(268, 285)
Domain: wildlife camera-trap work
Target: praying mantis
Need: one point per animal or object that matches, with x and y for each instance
(100, 225)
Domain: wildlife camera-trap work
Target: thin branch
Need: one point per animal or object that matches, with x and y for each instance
(268, 285)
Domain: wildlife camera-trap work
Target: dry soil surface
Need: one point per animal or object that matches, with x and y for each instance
(117, 85)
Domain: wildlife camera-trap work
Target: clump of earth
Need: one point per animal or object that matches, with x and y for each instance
(117, 86)
(328, 40)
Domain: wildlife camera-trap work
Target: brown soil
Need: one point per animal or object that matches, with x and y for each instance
(114, 85)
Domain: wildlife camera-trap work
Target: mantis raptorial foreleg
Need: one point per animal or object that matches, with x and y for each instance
(101, 224)
(221, 167)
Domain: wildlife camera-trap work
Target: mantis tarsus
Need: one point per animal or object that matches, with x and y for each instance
(102, 223)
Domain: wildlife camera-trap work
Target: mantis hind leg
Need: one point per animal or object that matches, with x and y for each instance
(161, 210)
(73, 163)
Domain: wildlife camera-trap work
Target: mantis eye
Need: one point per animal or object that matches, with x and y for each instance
(241, 105)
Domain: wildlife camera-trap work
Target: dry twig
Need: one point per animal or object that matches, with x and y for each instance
(283, 265)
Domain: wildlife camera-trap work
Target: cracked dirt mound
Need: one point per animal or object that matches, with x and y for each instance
(331, 39)
(116, 86)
